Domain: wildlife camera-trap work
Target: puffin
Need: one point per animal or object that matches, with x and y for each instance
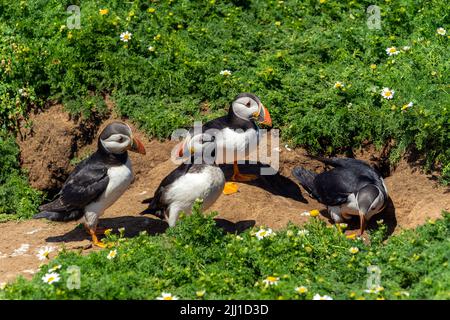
(96, 182)
(351, 187)
(237, 134)
(198, 177)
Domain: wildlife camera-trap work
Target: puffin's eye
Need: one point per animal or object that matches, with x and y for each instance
(248, 104)
(121, 139)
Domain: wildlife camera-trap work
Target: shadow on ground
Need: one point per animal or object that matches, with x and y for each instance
(276, 184)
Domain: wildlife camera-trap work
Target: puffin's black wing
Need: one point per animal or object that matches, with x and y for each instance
(158, 203)
(86, 183)
(333, 187)
(342, 162)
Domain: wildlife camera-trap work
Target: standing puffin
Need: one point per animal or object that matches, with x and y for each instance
(97, 182)
(197, 178)
(352, 187)
(237, 134)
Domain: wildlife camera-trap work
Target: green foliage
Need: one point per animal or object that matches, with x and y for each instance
(17, 198)
(196, 256)
(290, 53)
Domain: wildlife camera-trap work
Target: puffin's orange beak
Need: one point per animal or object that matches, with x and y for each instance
(264, 117)
(181, 150)
(137, 146)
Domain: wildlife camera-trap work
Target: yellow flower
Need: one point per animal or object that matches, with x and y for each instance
(200, 293)
(301, 290)
(271, 281)
(353, 250)
(314, 213)
(322, 1)
(373, 66)
(112, 254)
(278, 23)
(157, 37)
(107, 232)
(151, 10)
(103, 11)
(339, 85)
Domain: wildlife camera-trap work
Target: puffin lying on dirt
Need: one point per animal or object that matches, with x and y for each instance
(197, 178)
(237, 134)
(97, 182)
(352, 187)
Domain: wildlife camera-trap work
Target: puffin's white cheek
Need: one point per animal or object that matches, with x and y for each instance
(243, 112)
(116, 147)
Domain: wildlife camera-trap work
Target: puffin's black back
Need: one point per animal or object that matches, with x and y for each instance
(334, 186)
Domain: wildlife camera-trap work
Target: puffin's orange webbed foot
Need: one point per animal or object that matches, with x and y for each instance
(95, 240)
(230, 188)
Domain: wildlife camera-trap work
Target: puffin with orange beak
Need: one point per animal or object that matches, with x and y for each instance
(237, 135)
(198, 177)
(97, 182)
(352, 187)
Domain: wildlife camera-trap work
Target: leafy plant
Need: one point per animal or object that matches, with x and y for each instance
(196, 256)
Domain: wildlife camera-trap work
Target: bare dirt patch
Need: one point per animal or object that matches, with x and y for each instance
(273, 201)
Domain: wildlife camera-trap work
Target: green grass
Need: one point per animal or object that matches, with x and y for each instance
(290, 53)
(196, 256)
(17, 199)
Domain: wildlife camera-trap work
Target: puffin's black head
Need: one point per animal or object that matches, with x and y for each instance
(248, 107)
(117, 138)
(370, 201)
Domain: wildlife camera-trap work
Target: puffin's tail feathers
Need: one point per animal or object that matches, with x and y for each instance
(59, 216)
(306, 179)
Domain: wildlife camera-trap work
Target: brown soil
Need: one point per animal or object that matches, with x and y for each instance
(272, 201)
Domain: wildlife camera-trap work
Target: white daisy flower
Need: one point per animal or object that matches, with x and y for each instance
(57, 267)
(239, 238)
(319, 297)
(392, 51)
(301, 290)
(387, 93)
(303, 232)
(305, 214)
(167, 296)
(269, 281)
(125, 36)
(2, 285)
(441, 31)
(407, 106)
(353, 250)
(374, 290)
(225, 73)
(44, 252)
(151, 49)
(339, 85)
(50, 278)
(112, 254)
(263, 233)
(406, 48)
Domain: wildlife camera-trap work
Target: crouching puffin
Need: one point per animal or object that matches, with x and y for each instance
(237, 134)
(198, 177)
(352, 187)
(97, 182)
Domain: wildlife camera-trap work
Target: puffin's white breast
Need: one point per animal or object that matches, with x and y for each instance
(120, 178)
(235, 141)
(207, 185)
